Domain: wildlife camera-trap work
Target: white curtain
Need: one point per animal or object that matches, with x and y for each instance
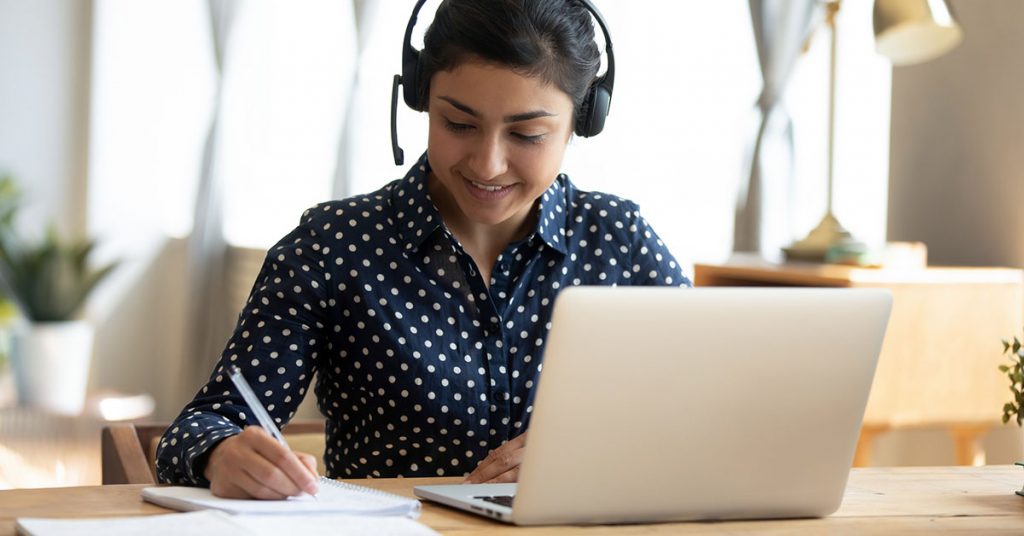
(284, 76)
(781, 27)
(208, 320)
(366, 12)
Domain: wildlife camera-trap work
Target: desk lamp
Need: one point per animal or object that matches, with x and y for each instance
(906, 32)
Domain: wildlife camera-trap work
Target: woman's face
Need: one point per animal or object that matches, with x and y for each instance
(496, 139)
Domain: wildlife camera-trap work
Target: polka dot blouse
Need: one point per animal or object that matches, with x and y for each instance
(420, 368)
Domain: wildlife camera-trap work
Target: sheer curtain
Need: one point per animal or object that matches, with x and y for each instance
(285, 73)
(781, 28)
(207, 248)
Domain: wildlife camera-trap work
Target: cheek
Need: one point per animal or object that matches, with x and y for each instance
(541, 166)
(442, 149)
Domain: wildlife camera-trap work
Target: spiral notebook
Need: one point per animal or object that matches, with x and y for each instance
(334, 497)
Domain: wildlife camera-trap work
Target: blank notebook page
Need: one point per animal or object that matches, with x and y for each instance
(334, 497)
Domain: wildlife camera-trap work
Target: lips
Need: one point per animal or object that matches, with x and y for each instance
(489, 188)
(487, 192)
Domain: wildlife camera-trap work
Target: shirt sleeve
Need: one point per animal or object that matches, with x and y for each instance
(276, 343)
(653, 263)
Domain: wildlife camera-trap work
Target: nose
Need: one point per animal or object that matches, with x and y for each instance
(487, 160)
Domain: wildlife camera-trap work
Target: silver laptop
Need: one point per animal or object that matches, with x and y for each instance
(669, 404)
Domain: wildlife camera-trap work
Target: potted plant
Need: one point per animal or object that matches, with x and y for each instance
(1014, 409)
(50, 352)
(9, 196)
(1015, 372)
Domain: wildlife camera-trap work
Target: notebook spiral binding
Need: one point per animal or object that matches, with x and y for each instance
(363, 489)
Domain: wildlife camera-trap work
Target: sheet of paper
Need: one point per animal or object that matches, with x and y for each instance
(203, 523)
(213, 522)
(332, 525)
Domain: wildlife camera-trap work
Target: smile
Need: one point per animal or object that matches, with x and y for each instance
(487, 188)
(486, 192)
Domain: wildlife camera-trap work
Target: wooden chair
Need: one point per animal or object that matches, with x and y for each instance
(129, 450)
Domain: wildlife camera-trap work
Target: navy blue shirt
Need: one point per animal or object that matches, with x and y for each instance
(420, 367)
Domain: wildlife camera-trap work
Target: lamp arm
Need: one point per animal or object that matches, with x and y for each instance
(833, 10)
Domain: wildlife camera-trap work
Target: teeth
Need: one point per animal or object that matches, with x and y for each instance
(486, 187)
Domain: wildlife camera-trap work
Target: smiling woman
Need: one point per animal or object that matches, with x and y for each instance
(422, 309)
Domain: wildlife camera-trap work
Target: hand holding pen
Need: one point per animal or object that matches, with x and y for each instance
(257, 463)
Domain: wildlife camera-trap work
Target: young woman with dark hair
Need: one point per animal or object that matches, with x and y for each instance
(422, 308)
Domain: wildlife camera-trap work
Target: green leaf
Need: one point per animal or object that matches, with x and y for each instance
(1004, 368)
(50, 279)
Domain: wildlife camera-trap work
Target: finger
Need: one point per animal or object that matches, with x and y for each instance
(310, 462)
(496, 463)
(257, 488)
(285, 460)
(512, 475)
(279, 468)
(227, 490)
(499, 460)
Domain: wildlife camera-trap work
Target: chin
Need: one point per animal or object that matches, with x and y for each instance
(487, 217)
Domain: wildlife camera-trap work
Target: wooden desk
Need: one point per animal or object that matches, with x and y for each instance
(939, 362)
(966, 500)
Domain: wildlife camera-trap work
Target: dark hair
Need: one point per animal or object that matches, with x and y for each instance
(549, 39)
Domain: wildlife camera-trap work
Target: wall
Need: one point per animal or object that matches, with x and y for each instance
(45, 50)
(957, 176)
(44, 81)
(140, 328)
(957, 167)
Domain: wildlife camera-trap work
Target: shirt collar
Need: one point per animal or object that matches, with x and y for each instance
(417, 217)
(415, 214)
(552, 215)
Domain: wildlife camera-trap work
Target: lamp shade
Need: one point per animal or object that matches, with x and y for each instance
(914, 31)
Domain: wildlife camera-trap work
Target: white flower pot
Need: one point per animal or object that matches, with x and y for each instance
(51, 361)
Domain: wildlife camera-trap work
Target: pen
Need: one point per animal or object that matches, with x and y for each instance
(255, 406)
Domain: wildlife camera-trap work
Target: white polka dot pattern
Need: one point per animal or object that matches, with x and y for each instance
(420, 368)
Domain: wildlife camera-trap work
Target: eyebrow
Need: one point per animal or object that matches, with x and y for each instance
(516, 118)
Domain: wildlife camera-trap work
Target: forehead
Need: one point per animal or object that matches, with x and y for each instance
(498, 89)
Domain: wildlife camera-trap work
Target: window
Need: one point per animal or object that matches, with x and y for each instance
(676, 141)
(153, 83)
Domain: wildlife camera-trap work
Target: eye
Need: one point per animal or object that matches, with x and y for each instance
(539, 138)
(456, 127)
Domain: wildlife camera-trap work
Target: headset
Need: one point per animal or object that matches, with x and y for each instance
(592, 113)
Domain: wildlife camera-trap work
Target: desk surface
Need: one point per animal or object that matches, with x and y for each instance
(965, 500)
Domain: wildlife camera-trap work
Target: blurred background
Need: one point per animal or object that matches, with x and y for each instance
(188, 136)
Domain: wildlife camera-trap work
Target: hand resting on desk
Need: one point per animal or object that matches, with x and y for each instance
(254, 465)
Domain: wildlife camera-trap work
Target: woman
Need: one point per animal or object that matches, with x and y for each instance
(422, 308)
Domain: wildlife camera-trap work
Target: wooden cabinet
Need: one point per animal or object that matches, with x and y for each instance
(939, 362)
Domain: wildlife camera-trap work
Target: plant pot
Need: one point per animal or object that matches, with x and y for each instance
(51, 361)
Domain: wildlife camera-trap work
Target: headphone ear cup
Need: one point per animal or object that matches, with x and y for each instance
(593, 111)
(583, 115)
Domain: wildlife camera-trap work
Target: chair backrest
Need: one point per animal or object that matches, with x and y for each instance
(129, 450)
